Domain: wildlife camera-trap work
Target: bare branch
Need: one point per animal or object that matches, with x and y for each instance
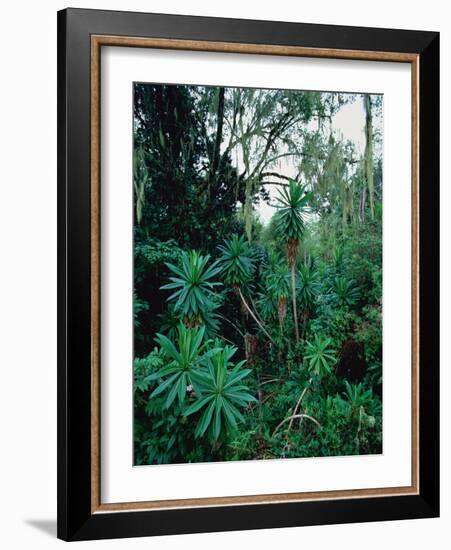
(275, 175)
(246, 305)
(299, 403)
(296, 416)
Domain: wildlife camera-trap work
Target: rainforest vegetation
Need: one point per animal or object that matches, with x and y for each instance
(257, 274)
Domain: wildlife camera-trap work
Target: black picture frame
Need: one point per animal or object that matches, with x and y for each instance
(75, 518)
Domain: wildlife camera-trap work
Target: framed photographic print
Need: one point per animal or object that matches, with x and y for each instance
(248, 274)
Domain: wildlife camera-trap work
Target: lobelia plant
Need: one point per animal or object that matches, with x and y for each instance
(220, 393)
(237, 264)
(363, 409)
(279, 289)
(182, 360)
(320, 356)
(237, 267)
(194, 285)
(358, 397)
(292, 204)
(308, 287)
(344, 292)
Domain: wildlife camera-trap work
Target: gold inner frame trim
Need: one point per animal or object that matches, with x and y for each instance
(97, 41)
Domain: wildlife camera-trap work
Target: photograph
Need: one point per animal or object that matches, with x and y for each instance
(257, 273)
(248, 272)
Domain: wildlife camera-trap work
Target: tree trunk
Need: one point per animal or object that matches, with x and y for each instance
(369, 152)
(247, 208)
(217, 149)
(362, 204)
(293, 293)
(250, 348)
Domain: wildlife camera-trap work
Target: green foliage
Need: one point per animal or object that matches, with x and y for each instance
(292, 202)
(320, 356)
(180, 199)
(236, 261)
(308, 286)
(159, 435)
(369, 333)
(151, 254)
(220, 393)
(362, 249)
(150, 272)
(169, 322)
(193, 284)
(278, 281)
(139, 306)
(358, 396)
(143, 368)
(140, 180)
(210, 317)
(344, 292)
(181, 360)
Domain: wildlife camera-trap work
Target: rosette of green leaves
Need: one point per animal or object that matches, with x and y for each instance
(320, 356)
(344, 292)
(181, 360)
(236, 261)
(308, 286)
(292, 203)
(220, 393)
(193, 284)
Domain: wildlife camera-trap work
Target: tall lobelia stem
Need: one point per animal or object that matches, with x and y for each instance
(282, 311)
(292, 252)
(369, 176)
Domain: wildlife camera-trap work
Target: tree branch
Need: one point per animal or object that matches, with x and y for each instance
(296, 416)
